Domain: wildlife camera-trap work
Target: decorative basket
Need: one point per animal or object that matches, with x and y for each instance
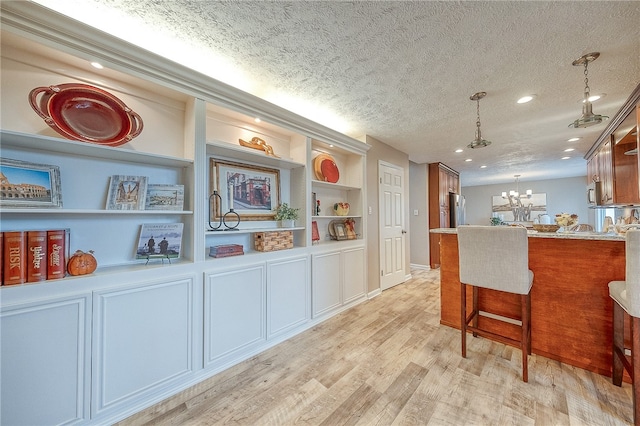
(545, 228)
(271, 241)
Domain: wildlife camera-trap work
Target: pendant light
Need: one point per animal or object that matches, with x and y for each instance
(588, 118)
(478, 142)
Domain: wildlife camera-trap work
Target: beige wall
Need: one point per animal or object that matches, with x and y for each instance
(381, 151)
(418, 200)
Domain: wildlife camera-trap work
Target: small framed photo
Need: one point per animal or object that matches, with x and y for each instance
(251, 191)
(164, 197)
(341, 232)
(29, 184)
(127, 192)
(159, 240)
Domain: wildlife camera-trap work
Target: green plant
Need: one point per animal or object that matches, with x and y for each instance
(284, 212)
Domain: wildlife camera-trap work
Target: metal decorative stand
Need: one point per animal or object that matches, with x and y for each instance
(230, 219)
(215, 201)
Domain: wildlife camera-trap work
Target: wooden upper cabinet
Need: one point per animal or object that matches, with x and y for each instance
(625, 160)
(442, 181)
(613, 159)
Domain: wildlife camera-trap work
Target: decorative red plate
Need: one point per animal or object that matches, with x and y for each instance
(86, 113)
(326, 169)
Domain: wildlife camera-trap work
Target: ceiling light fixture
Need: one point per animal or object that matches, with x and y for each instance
(521, 213)
(525, 99)
(478, 142)
(516, 194)
(97, 65)
(573, 139)
(588, 118)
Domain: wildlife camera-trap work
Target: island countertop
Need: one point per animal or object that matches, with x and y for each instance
(571, 311)
(560, 235)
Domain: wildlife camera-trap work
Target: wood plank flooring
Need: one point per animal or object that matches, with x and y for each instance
(388, 361)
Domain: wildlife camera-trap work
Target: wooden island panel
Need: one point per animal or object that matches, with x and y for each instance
(571, 311)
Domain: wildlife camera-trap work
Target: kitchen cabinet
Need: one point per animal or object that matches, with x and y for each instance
(613, 159)
(442, 181)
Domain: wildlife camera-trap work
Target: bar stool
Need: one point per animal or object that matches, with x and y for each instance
(626, 298)
(497, 258)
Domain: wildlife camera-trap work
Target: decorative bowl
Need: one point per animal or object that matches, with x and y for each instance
(545, 228)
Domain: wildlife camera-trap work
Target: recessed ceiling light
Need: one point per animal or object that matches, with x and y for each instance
(573, 139)
(330, 145)
(525, 99)
(459, 150)
(97, 65)
(468, 160)
(565, 158)
(569, 149)
(257, 120)
(483, 167)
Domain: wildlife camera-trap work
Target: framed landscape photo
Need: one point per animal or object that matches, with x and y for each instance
(127, 192)
(251, 191)
(29, 184)
(159, 240)
(164, 197)
(341, 231)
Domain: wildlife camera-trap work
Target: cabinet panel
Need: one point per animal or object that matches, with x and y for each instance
(234, 308)
(143, 339)
(45, 364)
(606, 172)
(442, 181)
(288, 294)
(326, 282)
(354, 285)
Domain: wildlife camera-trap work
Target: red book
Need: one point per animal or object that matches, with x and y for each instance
(56, 254)
(36, 256)
(1, 258)
(15, 258)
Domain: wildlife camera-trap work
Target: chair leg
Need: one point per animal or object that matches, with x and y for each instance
(476, 312)
(525, 343)
(618, 344)
(635, 367)
(463, 318)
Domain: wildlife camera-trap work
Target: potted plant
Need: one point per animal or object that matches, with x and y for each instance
(286, 215)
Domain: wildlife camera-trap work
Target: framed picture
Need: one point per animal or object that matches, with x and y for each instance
(164, 197)
(127, 192)
(341, 231)
(159, 240)
(251, 191)
(522, 209)
(29, 184)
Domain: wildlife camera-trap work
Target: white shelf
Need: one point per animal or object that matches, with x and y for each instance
(240, 153)
(94, 211)
(337, 217)
(329, 185)
(63, 146)
(224, 233)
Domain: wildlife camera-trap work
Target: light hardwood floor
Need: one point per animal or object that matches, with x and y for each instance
(388, 361)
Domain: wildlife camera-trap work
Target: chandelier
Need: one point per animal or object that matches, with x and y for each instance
(478, 142)
(588, 118)
(521, 212)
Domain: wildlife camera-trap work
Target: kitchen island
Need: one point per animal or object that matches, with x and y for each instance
(571, 311)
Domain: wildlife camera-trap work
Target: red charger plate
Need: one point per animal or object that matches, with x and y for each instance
(86, 113)
(326, 169)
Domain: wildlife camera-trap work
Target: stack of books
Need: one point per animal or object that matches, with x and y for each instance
(31, 256)
(226, 250)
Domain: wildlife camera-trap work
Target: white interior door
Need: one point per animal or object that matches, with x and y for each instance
(392, 233)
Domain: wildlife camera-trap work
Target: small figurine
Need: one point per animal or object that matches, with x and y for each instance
(257, 143)
(318, 208)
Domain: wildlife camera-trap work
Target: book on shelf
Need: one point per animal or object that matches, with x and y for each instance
(15, 258)
(36, 256)
(57, 253)
(226, 250)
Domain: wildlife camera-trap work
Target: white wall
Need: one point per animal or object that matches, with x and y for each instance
(419, 225)
(567, 195)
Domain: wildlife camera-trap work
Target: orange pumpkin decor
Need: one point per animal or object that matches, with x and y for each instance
(82, 263)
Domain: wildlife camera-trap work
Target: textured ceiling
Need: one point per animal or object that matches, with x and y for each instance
(402, 72)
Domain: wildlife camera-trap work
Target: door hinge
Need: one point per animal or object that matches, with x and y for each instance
(381, 273)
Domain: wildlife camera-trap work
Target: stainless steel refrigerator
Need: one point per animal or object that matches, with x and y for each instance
(456, 210)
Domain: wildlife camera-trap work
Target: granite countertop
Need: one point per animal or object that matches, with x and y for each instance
(558, 235)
